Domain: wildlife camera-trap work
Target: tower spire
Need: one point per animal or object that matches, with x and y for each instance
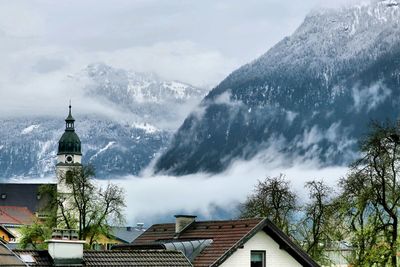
(70, 120)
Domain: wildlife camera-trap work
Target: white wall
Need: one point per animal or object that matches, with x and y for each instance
(274, 256)
(66, 249)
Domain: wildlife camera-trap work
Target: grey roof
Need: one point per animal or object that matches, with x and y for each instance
(9, 258)
(126, 234)
(23, 195)
(116, 258)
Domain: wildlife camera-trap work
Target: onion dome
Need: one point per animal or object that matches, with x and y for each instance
(69, 142)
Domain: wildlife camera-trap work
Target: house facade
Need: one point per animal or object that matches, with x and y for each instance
(245, 243)
(260, 250)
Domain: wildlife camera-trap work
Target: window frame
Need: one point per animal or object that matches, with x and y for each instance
(263, 252)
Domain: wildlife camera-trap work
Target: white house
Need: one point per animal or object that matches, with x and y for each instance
(247, 242)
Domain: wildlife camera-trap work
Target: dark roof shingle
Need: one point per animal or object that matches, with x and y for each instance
(116, 258)
(136, 258)
(41, 258)
(8, 258)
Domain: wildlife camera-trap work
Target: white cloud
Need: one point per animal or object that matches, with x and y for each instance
(150, 197)
(370, 97)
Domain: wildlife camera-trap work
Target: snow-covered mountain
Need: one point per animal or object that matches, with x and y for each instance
(309, 97)
(152, 106)
(145, 95)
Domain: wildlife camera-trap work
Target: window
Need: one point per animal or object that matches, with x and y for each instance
(68, 177)
(257, 258)
(3, 196)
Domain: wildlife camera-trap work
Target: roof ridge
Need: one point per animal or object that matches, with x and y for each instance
(216, 221)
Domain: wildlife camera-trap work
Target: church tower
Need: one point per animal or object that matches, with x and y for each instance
(69, 153)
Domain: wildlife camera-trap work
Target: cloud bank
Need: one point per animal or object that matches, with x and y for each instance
(43, 42)
(155, 199)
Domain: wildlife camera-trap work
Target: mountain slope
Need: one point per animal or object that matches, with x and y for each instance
(310, 97)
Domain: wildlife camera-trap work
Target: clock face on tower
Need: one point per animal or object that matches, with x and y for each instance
(69, 159)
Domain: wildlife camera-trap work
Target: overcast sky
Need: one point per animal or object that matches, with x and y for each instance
(42, 42)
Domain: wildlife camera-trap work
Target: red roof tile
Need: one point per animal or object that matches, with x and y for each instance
(16, 215)
(225, 234)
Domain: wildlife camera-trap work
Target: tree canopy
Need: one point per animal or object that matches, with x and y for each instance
(79, 204)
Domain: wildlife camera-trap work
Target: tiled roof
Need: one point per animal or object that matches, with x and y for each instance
(225, 234)
(23, 195)
(41, 257)
(135, 258)
(227, 237)
(16, 215)
(116, 258)
(8, 258)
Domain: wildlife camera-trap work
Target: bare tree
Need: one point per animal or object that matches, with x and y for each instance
(315, 229)
(274, 199)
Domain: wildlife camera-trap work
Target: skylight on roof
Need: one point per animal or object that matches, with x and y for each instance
(27, 258)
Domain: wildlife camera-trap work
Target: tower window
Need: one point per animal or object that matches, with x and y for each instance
(68, 177)
(3, 196)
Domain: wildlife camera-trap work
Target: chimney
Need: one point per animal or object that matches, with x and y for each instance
(65, 248)
(182, 222)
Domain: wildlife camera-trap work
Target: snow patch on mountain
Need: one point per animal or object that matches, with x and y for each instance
(29, 129)
(148, 128)
(109, 145)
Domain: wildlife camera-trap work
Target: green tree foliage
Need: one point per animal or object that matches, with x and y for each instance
(87, 207)
(371, 198)
(273, 199)
(34, 236)
(80, 204)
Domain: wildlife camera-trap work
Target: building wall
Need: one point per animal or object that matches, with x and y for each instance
(4, 235)
(261, 241)
(16, 231)
(104, 243)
